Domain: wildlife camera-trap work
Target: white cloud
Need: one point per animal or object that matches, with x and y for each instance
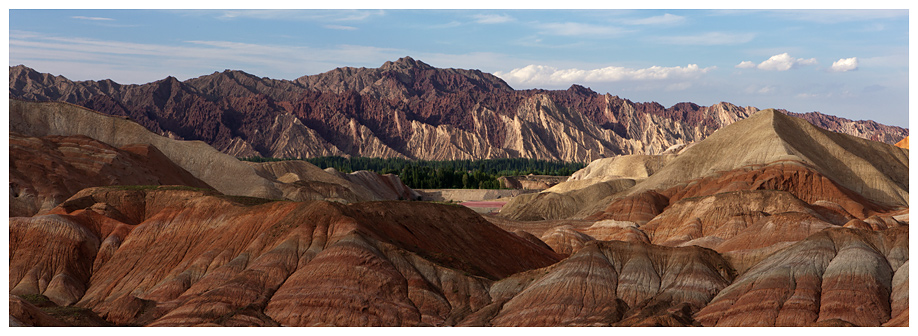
(664, 19)
(492, 18)
(784, 62)
(547, 75)
(710, 38)
(745, 65)
(577, 29)
(844, 64)
(92, 18)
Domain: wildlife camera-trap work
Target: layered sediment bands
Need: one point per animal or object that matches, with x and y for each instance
(611, 281)
(795, 177)
(635, 166)
(551, 205)
(46, 171)
(875, 170)
(721, 215)
(836, 276)
(210, 260)
(404, 108)
(638, 208)
(223, 172)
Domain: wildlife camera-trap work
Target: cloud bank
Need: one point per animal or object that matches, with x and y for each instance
(780, 62)
(542, 75)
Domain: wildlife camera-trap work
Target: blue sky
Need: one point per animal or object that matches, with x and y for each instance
(850, 63)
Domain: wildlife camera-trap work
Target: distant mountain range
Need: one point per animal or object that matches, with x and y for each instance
(404, 109)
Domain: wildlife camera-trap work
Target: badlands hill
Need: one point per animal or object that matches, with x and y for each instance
(48, 170)
(770, 221)
(57, 149)
(781, 243)
(406, 109)
(870, 169)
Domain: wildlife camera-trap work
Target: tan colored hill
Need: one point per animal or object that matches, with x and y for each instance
(875, 170)
(301, 181)
(48, 170)
(553, 205)
(635, 166)
(223, 172)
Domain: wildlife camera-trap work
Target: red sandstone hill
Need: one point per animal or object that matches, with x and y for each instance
(402, 109)
(210, 260)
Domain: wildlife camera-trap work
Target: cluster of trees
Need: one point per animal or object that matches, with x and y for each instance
(462, 174)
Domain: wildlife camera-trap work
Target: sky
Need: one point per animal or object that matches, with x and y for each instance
(848, 63)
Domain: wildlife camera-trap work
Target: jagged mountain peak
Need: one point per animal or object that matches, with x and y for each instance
(580, 89)
(405, 63)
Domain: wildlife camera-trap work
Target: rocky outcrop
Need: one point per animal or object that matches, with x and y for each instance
(404, 109)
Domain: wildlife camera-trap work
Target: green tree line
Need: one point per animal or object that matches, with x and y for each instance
(460, 174)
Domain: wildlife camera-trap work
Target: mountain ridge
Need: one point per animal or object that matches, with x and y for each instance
(405, 108)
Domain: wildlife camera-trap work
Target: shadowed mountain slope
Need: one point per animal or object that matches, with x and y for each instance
(406, 109)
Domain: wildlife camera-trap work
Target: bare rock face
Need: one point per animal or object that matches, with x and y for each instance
(403, 109)
(46, 171)
(836, 275)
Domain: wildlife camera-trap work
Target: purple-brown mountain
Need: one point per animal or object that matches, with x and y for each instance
(404, 109)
